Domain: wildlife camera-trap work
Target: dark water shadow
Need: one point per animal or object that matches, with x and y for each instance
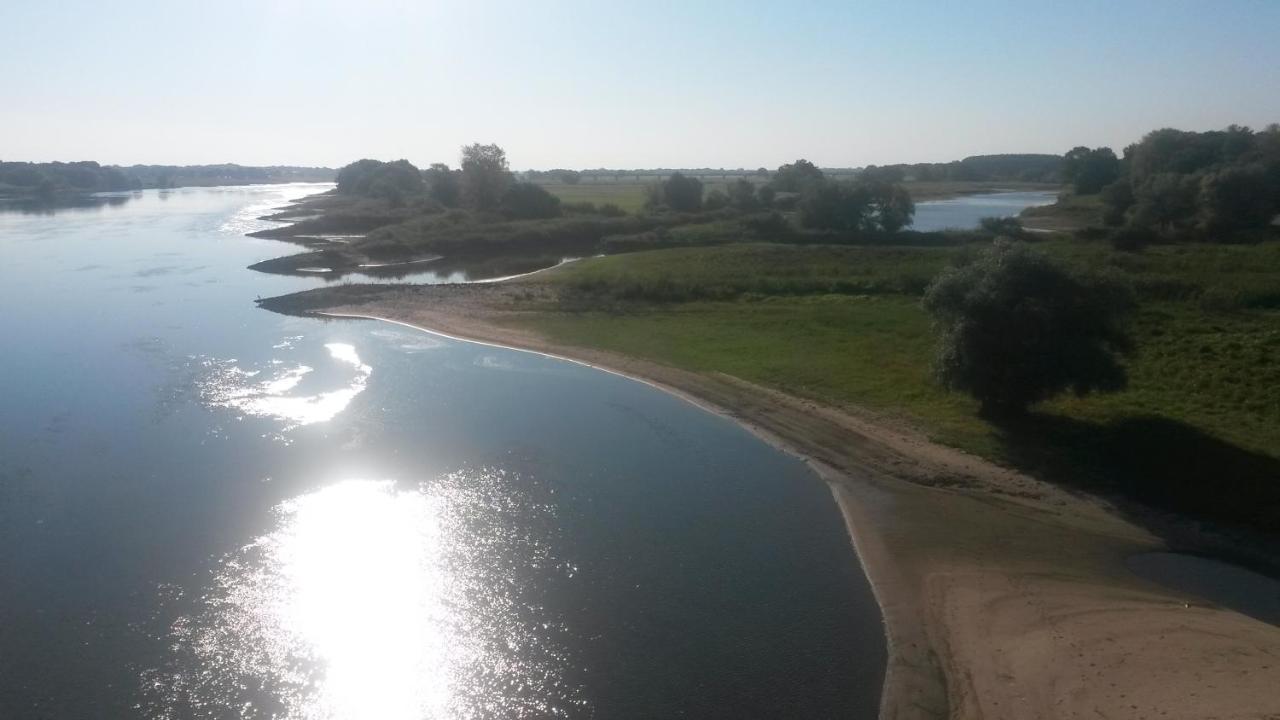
(1156, 463)
(1246, 592)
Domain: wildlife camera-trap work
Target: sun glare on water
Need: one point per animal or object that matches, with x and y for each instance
(232, 387)
(370, 601)
(364, 578)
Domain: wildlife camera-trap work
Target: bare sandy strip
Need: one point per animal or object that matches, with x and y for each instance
(1003, 596)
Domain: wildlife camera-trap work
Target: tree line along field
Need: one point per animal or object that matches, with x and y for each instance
(630, 193)
(1199, 423)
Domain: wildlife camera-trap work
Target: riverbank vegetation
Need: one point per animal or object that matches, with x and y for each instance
(1197, 429)
(812, 284)
(392, 211)
(1220, 186)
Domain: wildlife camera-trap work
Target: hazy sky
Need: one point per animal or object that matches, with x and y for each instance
(636, 84)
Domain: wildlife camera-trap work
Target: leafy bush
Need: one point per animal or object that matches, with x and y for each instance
(767, 225)
(678, 192)
(485, 176)
(839, 206)
(716, 200)
(1015, 329)
(1010, 227)
(443, 184)
(527, 201)
(742, 195)
(855, 206)
(1132, 239)
(1089, 171)
(1218, 185)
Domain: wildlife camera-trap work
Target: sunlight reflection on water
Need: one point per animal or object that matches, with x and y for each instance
(275, 199)
(230, 386)
(368, 601)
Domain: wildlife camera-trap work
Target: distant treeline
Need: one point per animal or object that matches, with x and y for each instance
(88, 176)
(977, 168)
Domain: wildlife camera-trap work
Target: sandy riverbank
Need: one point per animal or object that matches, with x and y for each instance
(1003, 596)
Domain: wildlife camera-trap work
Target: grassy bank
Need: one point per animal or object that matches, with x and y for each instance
(1069, 213)
(1197, 430)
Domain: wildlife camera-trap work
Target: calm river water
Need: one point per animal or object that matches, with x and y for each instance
(211, 511)
(966, 211)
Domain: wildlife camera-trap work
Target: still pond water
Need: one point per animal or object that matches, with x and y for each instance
(211, 511)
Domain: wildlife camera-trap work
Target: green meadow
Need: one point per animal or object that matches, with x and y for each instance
(843, 325)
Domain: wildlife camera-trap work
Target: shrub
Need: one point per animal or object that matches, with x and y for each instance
(1014, 329)
(797, 176)
(843, 207)
(1237, 198)
(716, 200)
(767, 225)
(485, 176)
(1009, 227)
(766, 193)
(1132, 239)
(579, 208)
(678, 192)
(527, 201)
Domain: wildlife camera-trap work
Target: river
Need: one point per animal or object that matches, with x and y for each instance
(208, 510)
(966, 211)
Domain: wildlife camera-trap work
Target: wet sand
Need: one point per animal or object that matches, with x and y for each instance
(1003, 596)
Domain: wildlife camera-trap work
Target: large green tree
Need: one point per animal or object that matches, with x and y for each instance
(797, 176)
(1014, 328)
(485, 176)
(679, 192)
(891, 206)
(742, 195)
(854, 206)
(442, 184)
(1237, 197)
(839, 206)
(353, 179)
(1166, 202)
(1089, 171)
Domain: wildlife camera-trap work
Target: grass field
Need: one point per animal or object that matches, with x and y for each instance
(835, 324)
(701, 273)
